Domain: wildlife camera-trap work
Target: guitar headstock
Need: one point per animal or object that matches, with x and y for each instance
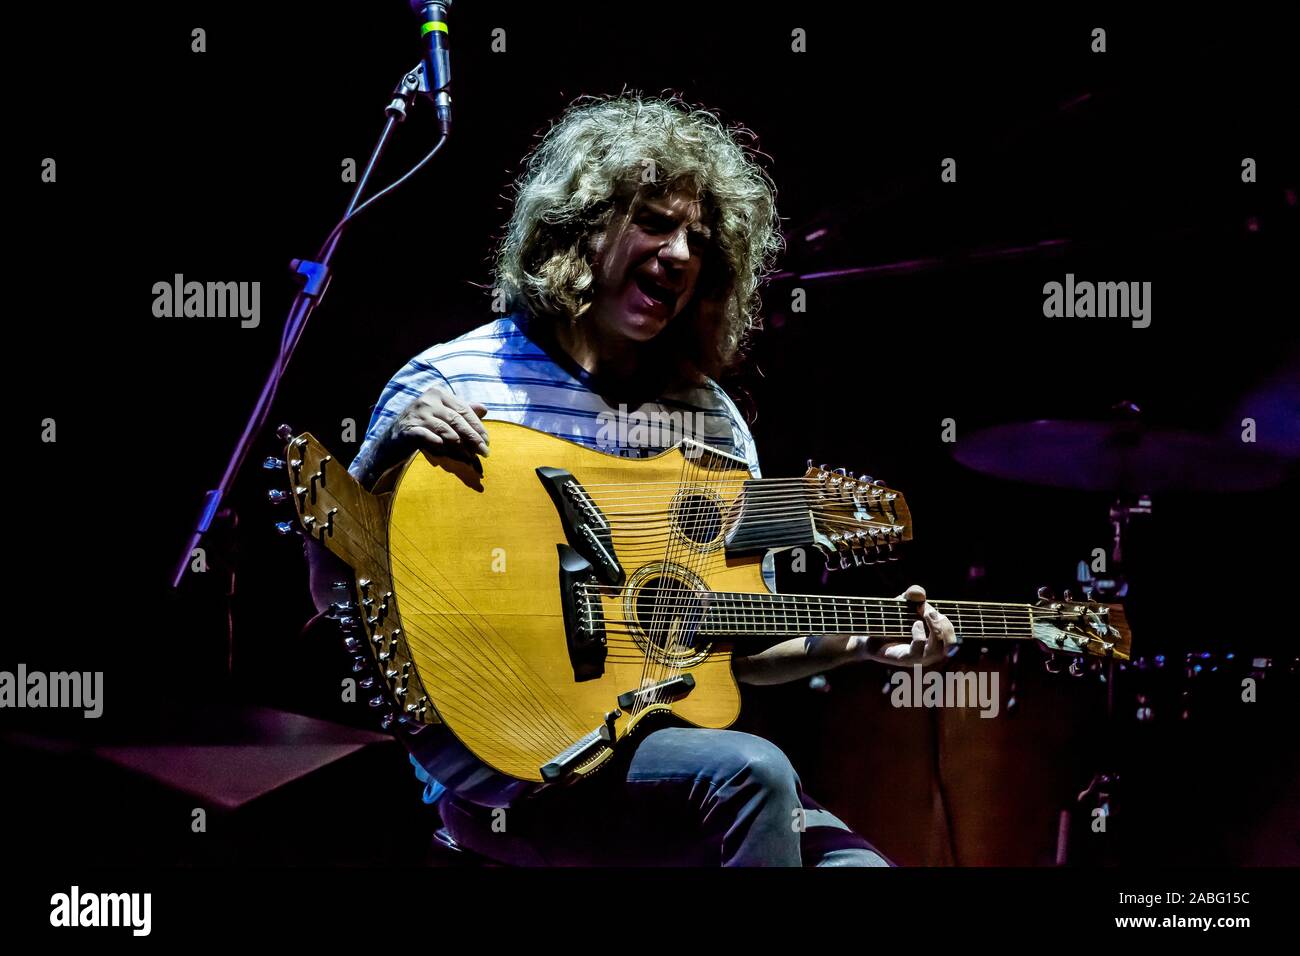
(332, 506)
(337, 512)
(856, 521)
(324, 495)
(1081, 627)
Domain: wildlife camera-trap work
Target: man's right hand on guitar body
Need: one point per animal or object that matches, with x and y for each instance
(437, 421)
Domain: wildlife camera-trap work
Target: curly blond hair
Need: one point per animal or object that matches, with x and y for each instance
(601, 158)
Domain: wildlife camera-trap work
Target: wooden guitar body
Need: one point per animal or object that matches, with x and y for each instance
(475, 572)
(544, 602)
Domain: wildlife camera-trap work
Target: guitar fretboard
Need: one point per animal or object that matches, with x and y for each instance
(734, 614)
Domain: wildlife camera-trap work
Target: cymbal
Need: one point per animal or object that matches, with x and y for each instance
(1121, 457)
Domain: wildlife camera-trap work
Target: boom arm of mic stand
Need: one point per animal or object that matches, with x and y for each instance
(315, 276)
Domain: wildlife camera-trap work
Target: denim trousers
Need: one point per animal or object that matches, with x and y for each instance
(682, 796)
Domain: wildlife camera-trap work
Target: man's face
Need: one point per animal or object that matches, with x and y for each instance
(646, 267)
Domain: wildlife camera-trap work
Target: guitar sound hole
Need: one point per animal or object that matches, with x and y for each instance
(670, 613)
(697, 517)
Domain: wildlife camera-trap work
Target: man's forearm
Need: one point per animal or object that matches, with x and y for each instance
(805, 656)
(800, 657)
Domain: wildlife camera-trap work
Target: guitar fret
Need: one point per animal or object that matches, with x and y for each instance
(798, 615)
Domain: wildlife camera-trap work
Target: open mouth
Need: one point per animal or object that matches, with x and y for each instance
(661, 294)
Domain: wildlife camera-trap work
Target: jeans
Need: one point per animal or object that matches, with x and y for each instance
(682, 797)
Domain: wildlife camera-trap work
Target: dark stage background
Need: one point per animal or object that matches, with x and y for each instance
(226, 164)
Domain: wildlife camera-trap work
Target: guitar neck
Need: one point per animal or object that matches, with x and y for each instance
(734, 614)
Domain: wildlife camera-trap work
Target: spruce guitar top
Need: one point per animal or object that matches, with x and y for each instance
(544, 601)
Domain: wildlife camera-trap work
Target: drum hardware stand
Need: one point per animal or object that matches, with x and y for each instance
(1097, 796)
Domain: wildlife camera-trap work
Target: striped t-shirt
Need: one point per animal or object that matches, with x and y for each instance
(518, 372)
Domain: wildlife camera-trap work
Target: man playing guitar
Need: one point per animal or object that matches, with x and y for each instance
(640, 233)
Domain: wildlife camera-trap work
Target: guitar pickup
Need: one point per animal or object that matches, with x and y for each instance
(581, 750)
(585, 526)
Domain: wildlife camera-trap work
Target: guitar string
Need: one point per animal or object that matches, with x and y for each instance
(700, 515)
(501, 659)
(788, 606)
(1007, 607)
(661, 649)
(738, 475)
(766, 499)
(662, 617)
(746, 622)
(495, 661)
(687, 631)
(874, 622)
(648, 541)
(652, 513)
(692, 529)
(451, 664)
(689, 527)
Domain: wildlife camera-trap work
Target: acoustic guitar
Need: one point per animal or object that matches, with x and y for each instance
(543, 603)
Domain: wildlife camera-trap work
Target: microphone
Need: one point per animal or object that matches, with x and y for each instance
(437, 60)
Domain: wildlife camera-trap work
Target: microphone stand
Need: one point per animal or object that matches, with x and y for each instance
(314, 276)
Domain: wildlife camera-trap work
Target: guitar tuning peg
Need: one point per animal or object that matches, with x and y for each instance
(810, 464)
(822, 466)
(1067, 595)
(284, 432)
(272, 463)
(865, 479)
(1045, 594)
(1088, 593)
(277, 496)
(879, 482)
(285, 527)
(843, 472)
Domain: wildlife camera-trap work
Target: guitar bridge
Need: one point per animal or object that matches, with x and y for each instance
(585, 526)
(584, 618)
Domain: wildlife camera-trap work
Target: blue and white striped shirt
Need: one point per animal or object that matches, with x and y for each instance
(520, 375)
